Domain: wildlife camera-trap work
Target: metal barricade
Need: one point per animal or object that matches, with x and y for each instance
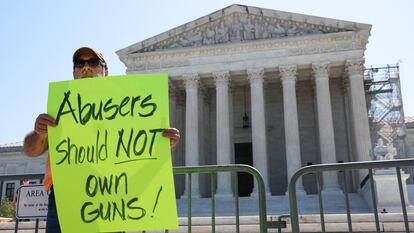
(214, 169)
(188, 171)
(346, 167)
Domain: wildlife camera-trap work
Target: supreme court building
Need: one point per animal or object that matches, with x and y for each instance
(272, 89)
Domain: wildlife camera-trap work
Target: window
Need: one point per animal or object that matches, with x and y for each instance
(10, 190)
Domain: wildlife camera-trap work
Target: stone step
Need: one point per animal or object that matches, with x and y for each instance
(389, 222)
(307, 204)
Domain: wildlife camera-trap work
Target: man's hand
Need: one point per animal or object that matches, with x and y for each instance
(173, 134)
(35, 143)
(42, 121)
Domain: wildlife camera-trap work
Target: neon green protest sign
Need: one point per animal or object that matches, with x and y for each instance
(110, 164)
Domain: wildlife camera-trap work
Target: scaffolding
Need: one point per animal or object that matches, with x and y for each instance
(385, 110)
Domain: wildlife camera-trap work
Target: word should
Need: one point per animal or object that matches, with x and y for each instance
(78, 154)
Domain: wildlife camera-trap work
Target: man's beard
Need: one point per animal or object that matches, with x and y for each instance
(89, 74)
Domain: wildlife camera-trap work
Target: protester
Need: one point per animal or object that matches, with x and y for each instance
(87, 63)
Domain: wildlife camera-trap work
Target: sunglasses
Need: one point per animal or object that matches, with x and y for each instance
(91, 62)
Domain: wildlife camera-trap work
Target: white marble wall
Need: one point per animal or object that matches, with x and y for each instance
(409, 141)
(15, 163)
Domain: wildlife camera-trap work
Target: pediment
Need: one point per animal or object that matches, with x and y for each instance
(239, 23)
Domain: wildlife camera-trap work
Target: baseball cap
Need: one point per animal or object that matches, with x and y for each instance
(87, 50)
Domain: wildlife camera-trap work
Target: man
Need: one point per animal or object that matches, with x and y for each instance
(87, 63)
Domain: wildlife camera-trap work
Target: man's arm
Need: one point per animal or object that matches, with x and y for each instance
(35, 143)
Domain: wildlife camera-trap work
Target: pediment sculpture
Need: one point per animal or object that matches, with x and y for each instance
(237, 28)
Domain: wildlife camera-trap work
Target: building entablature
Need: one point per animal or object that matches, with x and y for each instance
(266, 54)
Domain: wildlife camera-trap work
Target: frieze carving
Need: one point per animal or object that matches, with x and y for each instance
(237, 28)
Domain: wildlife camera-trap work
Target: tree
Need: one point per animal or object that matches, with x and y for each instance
(6, 209)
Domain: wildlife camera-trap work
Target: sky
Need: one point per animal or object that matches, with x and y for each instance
(38, 39)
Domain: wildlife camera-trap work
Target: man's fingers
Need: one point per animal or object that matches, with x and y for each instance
(42, 122)
(169, 134)
(41, 126)
(40, 129)
(46, 119)
(173, 134)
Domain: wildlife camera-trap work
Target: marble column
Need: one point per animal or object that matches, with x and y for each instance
(233, 176)
(223, 131)
(255, 77)
(191, 129)
(172, 106)
(180, 148)
(292, 141)
(359, 115)
(325, 124)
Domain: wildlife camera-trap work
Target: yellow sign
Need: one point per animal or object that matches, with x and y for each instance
(111, 166)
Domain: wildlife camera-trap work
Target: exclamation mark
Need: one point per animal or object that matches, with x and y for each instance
(156, 201)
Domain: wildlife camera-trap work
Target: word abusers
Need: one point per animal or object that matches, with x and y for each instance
(105, 109)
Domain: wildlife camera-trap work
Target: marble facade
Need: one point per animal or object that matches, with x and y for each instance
(298, 78)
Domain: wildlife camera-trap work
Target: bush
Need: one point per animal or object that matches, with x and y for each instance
(6, 209)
